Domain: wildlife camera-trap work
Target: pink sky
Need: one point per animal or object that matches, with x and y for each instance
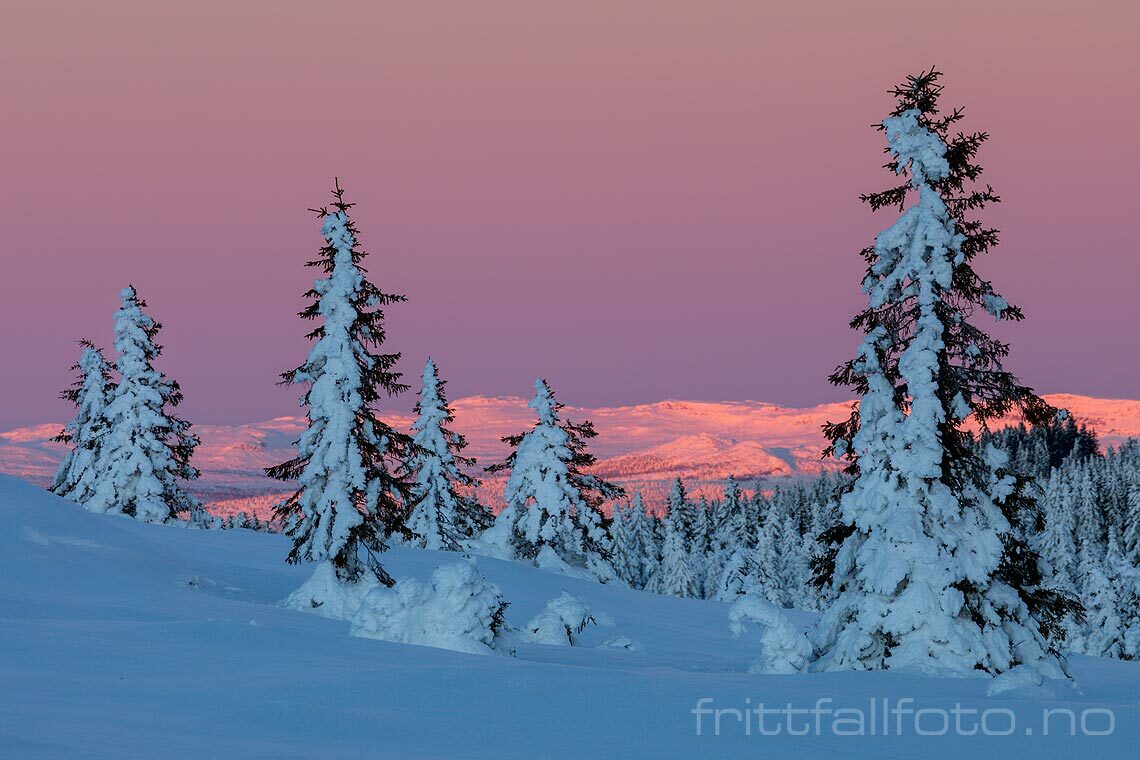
(639, 200)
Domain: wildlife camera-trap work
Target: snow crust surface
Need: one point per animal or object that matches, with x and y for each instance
(123, 639)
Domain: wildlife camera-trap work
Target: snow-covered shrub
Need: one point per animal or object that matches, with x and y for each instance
(458, 610)
(326, 595)
(564, 617)
(1029, 681)
(783, 649)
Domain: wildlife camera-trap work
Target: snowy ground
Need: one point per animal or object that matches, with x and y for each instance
(131, 640)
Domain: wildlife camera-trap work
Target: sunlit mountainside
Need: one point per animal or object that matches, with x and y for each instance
(642, 447)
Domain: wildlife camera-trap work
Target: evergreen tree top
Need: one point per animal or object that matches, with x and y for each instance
(677, 494)
(135, 331)
(544, 403)
(365, 317)
(92, 387)
(432, 409)
(92, 364)
(430, 394)
(576, 457)
(431, 406)
(925, 151)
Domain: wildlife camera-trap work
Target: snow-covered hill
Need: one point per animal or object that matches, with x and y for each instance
(119, 639)
(644, 446)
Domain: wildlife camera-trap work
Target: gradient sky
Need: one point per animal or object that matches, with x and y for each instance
(639, 200)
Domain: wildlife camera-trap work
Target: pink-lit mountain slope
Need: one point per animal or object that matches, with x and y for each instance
(642, 447)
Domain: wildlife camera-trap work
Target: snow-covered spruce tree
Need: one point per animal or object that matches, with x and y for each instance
(625, 555)
(794, 572)
(1131, 545)
(633, 553)
(351, 467)
(762, 571)
(1124, 578)
(678, 505)
(1055, 543)
(1103, 633)
(676, 575)
(444, 513)
(91, 393)
(701, 537)
(643, 539)
(1090, 527)
(728, 533)
(146, 449)
(551, 503)
(656, 525)
(930, 573)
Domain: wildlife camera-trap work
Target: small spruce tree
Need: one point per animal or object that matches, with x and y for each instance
(728, 533)
(445, 513)
(625, 553)
(81, 468)
(1055, 543)
(1103, 632)
(1131, 544)
(676, 575)
(643, 541)
(551, 500)
(146, 449)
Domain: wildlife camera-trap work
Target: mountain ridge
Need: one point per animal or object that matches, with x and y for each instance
(641, 446)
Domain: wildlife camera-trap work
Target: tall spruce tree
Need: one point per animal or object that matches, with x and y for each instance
(930, 573)
(551, 500)
(445, 513)
(351, 467)
(80, 470)
(146, 450)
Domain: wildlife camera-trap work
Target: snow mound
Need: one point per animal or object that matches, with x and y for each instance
(783, 649)
(458, 610)
(621, 642)
(1028, 681)
(326, 595)
(494, 542)
(548, 559)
